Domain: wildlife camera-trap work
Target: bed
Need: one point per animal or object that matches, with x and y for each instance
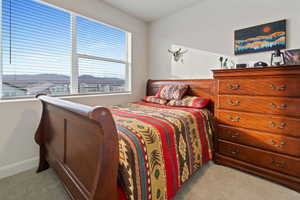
(135, 151)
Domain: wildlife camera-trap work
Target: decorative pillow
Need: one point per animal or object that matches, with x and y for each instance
(153, 99)
(170, 92)
(190, 101)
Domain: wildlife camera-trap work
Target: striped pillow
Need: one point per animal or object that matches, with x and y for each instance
(153, 99)
(190, 101)
(170, 92)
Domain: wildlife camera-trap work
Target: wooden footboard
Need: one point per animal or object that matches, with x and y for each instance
(81, 144)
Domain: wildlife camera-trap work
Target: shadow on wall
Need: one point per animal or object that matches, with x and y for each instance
(196, 63)
(19, 121)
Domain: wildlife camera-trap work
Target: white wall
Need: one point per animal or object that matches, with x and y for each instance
(192, 62)
(210, 24)
(19, 119)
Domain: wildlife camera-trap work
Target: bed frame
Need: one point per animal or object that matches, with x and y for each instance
(81, 144)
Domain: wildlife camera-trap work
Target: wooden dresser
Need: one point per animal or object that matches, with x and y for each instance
(258, 129)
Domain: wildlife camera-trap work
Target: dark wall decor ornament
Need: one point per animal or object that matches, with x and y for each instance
(265, 37)
(241, 65)
(260, 64)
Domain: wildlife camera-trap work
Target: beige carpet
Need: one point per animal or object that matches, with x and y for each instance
(212, 183)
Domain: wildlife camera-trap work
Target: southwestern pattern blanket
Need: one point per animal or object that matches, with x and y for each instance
(160, 147)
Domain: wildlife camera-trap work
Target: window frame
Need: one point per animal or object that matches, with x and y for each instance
(1, 53)
(75, 56)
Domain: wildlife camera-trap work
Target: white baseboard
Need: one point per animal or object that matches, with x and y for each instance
(16, 168)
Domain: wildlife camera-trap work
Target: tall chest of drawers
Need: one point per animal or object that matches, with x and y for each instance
(258, 122)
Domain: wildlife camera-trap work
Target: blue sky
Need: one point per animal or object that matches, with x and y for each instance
(41, 41)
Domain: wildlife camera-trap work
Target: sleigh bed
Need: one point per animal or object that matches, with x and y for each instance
(135, 151)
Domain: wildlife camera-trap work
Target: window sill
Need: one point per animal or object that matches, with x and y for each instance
(73, 96)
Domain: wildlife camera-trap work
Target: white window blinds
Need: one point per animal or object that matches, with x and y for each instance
(36, 49)
(102, 57)
(100, 40)
(43, 52)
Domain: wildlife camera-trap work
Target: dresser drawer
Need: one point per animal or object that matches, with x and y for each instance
(271, 105)
(273, 142)
(261, 122)
(288, 87)
(281, 163)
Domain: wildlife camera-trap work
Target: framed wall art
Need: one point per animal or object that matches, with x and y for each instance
(265, 37)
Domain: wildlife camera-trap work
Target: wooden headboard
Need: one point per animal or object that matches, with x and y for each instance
(198, 87)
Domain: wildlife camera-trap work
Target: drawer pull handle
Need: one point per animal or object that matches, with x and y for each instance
(280, 88)
(273, 124)
(281, 164)
(234, 103)
(235, 151)
(281, 107)
(233, 87)
(232, 119)
(277, 144)
(234, 135)
(281, 126)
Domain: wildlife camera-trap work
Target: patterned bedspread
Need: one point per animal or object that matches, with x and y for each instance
(160, 147)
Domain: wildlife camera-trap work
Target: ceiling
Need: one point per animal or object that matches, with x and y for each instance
(150, 10)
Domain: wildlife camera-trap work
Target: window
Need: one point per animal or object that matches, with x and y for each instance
(49, 50)
(101, 52)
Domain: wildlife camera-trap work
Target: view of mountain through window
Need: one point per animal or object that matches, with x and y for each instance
(96, 41)
(39, 55)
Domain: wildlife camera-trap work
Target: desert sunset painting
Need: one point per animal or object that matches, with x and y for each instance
(265, 37)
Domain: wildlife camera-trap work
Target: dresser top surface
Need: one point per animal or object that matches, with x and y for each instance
(262, 71)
